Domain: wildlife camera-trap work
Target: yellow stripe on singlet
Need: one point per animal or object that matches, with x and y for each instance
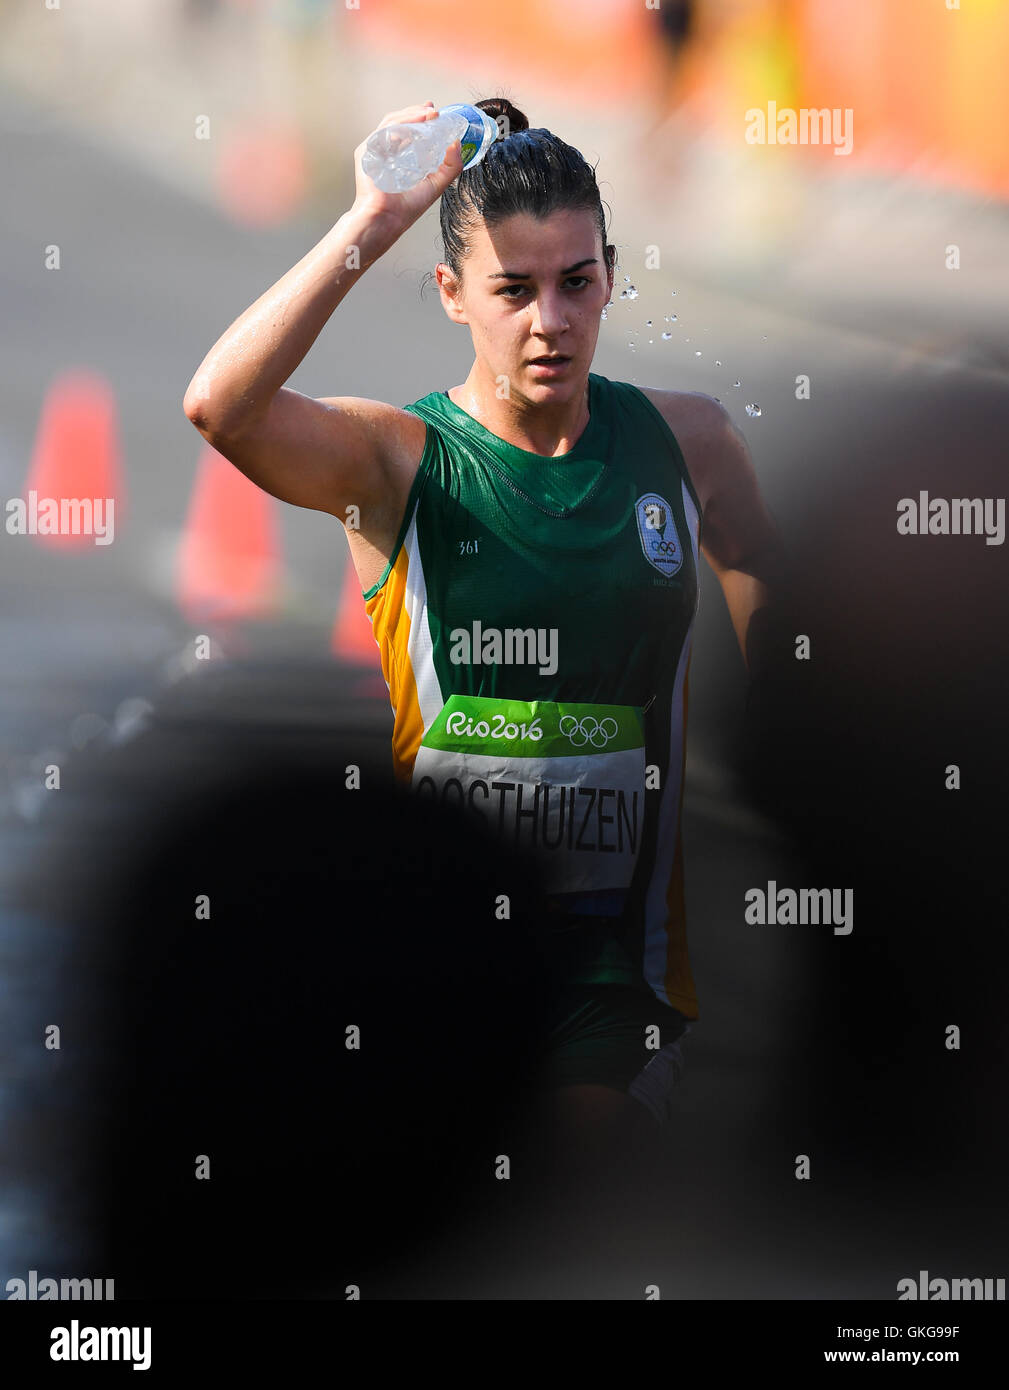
(390, 625)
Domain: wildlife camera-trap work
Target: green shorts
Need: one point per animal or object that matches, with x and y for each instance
(600, 1038)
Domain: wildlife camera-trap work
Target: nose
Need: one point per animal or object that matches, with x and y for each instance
(549, 315)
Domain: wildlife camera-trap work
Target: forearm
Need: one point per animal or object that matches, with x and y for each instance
(754, 593)
(252, 360)
(745, 596)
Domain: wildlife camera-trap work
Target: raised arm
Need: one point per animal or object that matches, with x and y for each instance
(312, 453)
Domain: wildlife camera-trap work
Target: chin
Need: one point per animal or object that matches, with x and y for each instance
(571, 380)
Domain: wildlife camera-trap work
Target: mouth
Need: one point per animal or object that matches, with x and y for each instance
(550, 361)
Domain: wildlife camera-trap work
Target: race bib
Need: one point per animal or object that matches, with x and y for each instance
(564, 781)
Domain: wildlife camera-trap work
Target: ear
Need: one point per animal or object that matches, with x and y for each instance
(451, 293)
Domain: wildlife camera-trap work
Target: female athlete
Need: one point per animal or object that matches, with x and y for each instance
(527, 544)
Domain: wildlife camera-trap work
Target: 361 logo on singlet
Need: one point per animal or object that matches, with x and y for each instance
(657, 530)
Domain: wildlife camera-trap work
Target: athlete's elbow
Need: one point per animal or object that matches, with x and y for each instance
(195, 404)
(206, 420)
(210, 416)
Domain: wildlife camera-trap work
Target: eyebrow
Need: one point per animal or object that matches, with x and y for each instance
(526, 275)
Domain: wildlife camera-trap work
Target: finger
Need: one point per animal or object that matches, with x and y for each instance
(449, 169)
(408, 113)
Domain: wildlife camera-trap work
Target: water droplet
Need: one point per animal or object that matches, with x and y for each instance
(717, 364)
(648, 323)
(666, 337)
(765, 337)
(631, 292)
(651, 340)
(627, 278)
(736, 383)
(672, 291)
(698, 354)
(604, 314)
(752, 409)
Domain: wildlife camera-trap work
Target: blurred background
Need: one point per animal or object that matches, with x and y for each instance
(165, 162)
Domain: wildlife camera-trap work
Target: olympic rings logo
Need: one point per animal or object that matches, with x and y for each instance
(664, 547)
(598, 732)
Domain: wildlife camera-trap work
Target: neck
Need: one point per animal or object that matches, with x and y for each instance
(547, 427)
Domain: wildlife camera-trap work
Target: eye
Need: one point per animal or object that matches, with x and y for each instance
(523, 289)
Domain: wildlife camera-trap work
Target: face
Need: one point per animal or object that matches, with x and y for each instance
(532, 288)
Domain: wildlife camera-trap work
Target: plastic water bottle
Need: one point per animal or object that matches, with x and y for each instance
(397, 157)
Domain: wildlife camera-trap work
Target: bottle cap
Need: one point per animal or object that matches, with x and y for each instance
(480, 133)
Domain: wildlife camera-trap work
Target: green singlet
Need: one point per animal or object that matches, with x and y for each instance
(534, 624)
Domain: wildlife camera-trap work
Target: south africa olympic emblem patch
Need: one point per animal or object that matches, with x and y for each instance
(658, 535)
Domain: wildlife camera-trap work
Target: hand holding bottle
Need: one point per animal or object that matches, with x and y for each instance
(404, 208)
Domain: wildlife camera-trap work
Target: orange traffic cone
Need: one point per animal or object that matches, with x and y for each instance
(229, 557)
(353, 640)
(74, 490)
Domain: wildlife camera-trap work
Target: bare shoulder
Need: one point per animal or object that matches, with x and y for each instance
(394, 439)
(705, 432)
(397, 438)
(693, 411)
(737, 523)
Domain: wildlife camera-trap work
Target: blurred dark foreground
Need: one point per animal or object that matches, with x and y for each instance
(329, 909)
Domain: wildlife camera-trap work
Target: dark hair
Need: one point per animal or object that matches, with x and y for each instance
(531, 171)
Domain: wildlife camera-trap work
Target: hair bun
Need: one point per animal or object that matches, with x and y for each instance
(501, 106)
